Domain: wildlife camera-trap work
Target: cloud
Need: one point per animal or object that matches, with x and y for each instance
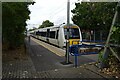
(53, 10)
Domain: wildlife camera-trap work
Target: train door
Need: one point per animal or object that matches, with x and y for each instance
(61, 39)
(47, 35)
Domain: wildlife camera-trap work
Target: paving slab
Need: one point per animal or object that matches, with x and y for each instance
(38, 66)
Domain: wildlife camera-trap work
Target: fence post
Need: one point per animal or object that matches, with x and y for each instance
(76, 54)
(76, 61)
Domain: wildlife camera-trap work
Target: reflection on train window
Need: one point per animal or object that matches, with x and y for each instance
(52, 34)
(73, 33)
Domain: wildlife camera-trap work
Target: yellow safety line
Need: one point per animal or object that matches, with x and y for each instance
(54, 51)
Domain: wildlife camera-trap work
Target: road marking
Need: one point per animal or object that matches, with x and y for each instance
(57, 51)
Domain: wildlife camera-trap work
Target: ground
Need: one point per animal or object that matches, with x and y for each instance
(114, 67)
(20, 54)
(15, 54)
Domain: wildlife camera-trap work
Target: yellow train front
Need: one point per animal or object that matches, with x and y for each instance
(74, 34)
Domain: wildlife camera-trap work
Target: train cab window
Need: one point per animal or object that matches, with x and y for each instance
(52, 34)
(73, 33)
(65, 32)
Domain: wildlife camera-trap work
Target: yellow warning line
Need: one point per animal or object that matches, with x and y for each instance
(51, 48)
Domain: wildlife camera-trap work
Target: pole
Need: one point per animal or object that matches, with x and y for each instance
(68, 26)
(106, 49)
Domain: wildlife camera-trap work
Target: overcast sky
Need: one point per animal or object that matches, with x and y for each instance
(53, 10)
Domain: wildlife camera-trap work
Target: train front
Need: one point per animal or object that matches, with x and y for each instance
(74, 33)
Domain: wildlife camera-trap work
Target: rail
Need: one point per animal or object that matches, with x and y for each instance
(74, 50)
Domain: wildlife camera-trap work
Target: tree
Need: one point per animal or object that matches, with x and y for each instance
(116, 30)
(94, 16)
(34, 28)
(46, 23)
(14, 16)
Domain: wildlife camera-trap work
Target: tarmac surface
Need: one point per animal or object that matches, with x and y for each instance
(44, 63)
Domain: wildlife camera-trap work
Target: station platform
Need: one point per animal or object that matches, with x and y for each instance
(44, 62)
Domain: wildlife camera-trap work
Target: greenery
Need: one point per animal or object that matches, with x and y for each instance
(46, 23)
(31, 29)
(94, 16)
(98, 16)
(14, 16)
(116, 32)
(100, 56)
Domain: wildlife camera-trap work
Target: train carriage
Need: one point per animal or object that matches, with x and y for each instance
(57, 35)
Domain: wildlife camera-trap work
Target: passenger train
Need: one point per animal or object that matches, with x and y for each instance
(57, 35)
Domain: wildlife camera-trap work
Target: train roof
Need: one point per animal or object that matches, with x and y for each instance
(69, 25)
(55, 26)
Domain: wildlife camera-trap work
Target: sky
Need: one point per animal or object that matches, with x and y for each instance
(53, 10)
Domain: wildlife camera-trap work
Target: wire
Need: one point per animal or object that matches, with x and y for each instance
(60, 10)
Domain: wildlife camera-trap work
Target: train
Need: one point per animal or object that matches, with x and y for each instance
(57, 35)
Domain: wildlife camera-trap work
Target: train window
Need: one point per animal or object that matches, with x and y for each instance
(37, 33)
(57, 34)
(73, 33)
(48, 33)
(40, 33)
(43, 34)
(52, 34)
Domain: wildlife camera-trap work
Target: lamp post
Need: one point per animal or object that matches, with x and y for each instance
(68, 26)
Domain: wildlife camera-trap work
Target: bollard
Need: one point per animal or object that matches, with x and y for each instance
(76, 61)
(76, 54)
